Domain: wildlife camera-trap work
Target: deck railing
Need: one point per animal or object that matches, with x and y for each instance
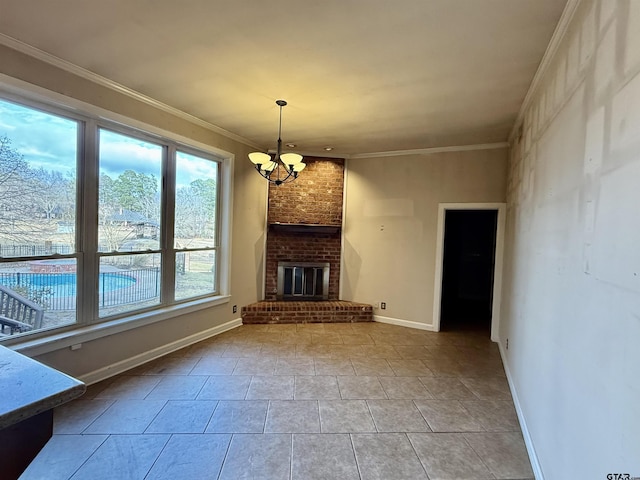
(17, 313)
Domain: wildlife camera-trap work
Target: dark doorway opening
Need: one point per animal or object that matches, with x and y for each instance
(467, 269)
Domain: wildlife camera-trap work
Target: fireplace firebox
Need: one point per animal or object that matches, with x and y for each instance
(303, 281)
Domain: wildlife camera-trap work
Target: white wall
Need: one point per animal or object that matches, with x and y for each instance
(571, 297)
(96, 357)
(391, 217)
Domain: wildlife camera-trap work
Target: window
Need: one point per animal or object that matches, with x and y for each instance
(129, 223)
(195, 225)
(100, 219)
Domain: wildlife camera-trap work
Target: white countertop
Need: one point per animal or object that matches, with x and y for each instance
(28, 387)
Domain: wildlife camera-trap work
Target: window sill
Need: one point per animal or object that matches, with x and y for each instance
(57, 341)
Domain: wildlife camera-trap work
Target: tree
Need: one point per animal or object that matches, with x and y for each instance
(68, 208)
(186, 225)
(18, 191)
(108, 205)
(138, 192)
(196, 210)
(132, 198)
(54, 199)
(206, 191)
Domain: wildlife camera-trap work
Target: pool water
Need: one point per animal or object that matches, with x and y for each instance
(64, 284)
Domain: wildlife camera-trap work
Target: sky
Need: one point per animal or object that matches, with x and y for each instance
(50, 142)
(43, 140)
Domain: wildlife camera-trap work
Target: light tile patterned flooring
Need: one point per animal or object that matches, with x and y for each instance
(314, 401)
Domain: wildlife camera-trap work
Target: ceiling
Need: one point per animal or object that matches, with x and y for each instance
(359, 75)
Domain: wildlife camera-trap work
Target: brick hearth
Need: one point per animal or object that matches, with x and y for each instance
(306, 312)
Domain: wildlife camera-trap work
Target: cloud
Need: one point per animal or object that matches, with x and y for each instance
(190, 168)
(119, 153)
(50, 142)
(44, 140)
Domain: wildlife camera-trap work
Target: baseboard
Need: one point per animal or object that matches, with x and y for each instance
(533, 458)
(137, 360)
(404, 323)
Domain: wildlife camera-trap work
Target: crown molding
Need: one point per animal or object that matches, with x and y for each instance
(110, 84)
(558, 35)
(310, 153)
(432, 150)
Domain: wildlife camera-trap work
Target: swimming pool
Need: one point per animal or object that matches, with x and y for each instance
(58, 291)
(64, 284)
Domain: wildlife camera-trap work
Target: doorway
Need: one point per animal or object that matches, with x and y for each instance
(467, 294)
(467, 269)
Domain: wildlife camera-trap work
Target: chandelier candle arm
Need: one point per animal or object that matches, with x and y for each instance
(269, 166)
(290, 162)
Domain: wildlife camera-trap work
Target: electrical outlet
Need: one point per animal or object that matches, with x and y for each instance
(376, 305)
(383, 305)
(507, 346)
(235, 309)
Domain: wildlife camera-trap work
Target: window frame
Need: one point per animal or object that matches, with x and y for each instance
(89, 325)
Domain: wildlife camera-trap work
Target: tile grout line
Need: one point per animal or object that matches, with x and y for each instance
(159, 454)
(484, 428)
(355, 456)
(426, 420)
(92, 454)
(413, 447)
(166, 402)
(373, 419)
(211, 417)
(291, 459)
(464, 437)
(266, 417)
(226, 454)
(113, 401)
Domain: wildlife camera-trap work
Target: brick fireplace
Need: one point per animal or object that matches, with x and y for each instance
(305, 222)
(304, 228)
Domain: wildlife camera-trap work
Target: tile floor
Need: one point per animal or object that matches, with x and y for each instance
(314, 401)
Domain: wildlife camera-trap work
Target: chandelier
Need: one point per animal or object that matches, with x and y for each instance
(283, 167)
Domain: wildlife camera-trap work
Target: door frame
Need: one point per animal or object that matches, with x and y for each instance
(500, 208)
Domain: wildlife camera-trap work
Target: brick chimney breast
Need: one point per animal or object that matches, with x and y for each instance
(313, 200)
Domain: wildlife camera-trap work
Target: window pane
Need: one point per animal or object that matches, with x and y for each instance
(38, 157)
(128, 282)
(196, 197)
(37, 294)
(297, 286)
(288, 281)
(195, 273)
(129, 193)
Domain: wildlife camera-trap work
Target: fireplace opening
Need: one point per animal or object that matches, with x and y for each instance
(303, 281)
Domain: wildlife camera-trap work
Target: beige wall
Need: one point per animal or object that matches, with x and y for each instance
(249, 204)
(390, 223)
(571, 297)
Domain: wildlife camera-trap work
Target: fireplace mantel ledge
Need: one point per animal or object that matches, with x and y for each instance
(304, 228)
